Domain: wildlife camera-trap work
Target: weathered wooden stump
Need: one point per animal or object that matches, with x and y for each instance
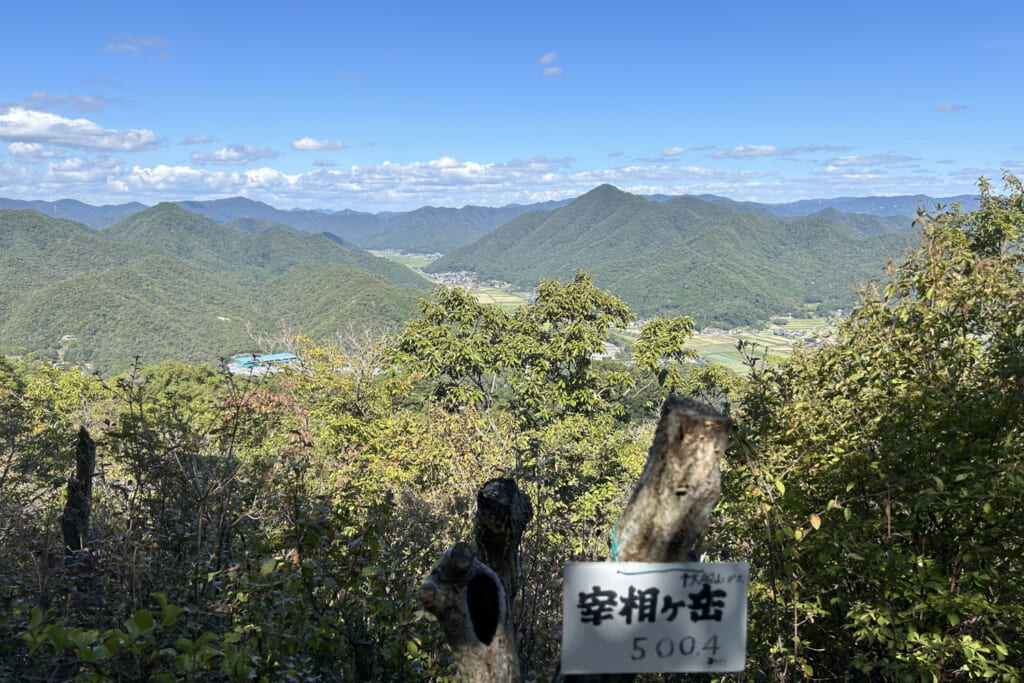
(75, 520)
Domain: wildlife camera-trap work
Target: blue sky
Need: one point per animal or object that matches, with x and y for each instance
(400, 104)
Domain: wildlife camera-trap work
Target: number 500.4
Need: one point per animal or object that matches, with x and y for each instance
(666, 647)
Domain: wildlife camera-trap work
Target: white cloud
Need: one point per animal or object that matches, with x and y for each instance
(197, 140)
(24, 125)
(949, 106)
(746, 151)
(31, 150)
(234, 155)
(552, 71)
(311, 145)
(549, 58)
(672, 151)
(448, 181)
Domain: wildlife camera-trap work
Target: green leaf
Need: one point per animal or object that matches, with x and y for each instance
(267, 568)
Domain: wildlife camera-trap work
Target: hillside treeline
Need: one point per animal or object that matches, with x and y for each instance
(276, 528)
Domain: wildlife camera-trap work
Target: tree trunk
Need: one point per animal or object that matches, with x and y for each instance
(671, 505)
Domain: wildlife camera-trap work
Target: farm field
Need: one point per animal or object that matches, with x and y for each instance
(490, 295)
(721, 348)
(408, 260)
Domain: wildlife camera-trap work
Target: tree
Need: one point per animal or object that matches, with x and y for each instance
(883, 476)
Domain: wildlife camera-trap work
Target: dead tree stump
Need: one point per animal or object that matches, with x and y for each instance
(75, 520)
(469, 601)
(471, 593)
(671, 505)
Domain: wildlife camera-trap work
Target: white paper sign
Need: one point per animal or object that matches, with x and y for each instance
(645, 617)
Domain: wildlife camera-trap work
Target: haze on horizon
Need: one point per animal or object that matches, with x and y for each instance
(373, 108)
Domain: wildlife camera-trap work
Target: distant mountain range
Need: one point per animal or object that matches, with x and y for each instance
(432, 229)
(194, 280)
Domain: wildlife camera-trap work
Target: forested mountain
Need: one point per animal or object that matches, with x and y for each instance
(433, 229)
(166, 283)
(685, 255)
(36, 250)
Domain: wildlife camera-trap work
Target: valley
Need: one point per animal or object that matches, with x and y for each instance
(199, 281)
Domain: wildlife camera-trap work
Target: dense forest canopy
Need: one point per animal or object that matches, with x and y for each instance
(276, 527)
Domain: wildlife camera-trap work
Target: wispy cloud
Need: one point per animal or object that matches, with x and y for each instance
(234, 155)
(672, 151)
(949, 106)
(887, 159)
(753, 151)
(104, 79)
(131, 44)
(79, 103)
(550, 68)
(616, 154)
(310, 145)
(444, 181)
(197, 140)
(341, 73)
(18, 124)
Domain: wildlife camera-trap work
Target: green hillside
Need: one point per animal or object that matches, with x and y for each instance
(685, 255)
(166, 283)
(323, 302)
(250, 259)
(156, 308)
(36, 250)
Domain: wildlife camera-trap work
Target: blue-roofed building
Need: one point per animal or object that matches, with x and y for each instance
(261, 364)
